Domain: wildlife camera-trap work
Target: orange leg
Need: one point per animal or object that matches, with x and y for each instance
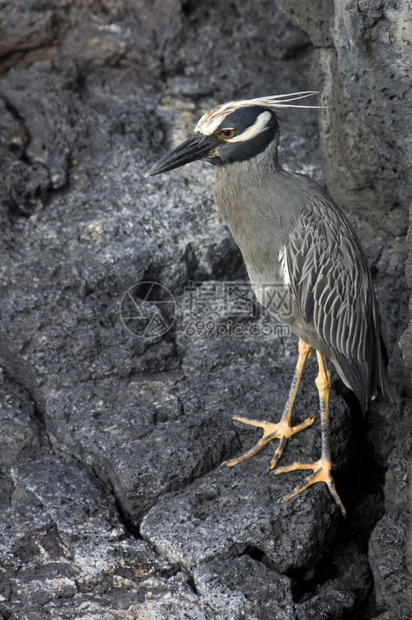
(283, 429)
(321, 468)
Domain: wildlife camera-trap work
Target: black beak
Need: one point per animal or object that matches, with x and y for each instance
(196, 147)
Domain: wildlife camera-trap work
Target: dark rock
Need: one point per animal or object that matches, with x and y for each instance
(6, 489)
(397, 475)
(243, 588)
(390, 543)
(75, 549)
(403, 613)
(345, 592)
(92, 35)
(193, 73)
(226, 513)
(393, 305)
(13, 136)
(143, 443)
(63, 128)
(232, 509)
(172, 598)
(371, 25)
(388, 557)
(21, 436)
(406, 340)
(316, 19)
(23, 29)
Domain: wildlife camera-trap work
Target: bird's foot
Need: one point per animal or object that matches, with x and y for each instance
(322, 473)
(282, 431)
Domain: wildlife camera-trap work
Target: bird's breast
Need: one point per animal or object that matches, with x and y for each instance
(254, 209)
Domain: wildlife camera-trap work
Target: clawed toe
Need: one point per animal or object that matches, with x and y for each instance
(282, 431)
(322, 473)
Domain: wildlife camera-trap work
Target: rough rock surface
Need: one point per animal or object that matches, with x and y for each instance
(115, 501)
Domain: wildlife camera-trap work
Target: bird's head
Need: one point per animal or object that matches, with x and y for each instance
(232, 132)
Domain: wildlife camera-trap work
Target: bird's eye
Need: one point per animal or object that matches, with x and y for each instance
(227, 133)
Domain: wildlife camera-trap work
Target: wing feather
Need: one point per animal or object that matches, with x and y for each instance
(332, 286)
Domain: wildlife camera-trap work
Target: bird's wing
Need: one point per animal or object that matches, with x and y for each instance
(330, 280)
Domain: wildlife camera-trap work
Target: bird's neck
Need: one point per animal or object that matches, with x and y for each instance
(251, 170)
(267, 161)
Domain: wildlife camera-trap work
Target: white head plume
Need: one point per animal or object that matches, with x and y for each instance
(211, 120)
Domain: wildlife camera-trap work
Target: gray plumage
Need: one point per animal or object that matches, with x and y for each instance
(281, 219)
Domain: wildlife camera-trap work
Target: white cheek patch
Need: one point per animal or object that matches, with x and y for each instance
(258, 126)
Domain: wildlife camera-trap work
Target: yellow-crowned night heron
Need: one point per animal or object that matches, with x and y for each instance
(290, 230)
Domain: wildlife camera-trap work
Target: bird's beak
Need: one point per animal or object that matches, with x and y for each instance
(196, 147)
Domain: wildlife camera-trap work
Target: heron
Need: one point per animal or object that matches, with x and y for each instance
(290, 231)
